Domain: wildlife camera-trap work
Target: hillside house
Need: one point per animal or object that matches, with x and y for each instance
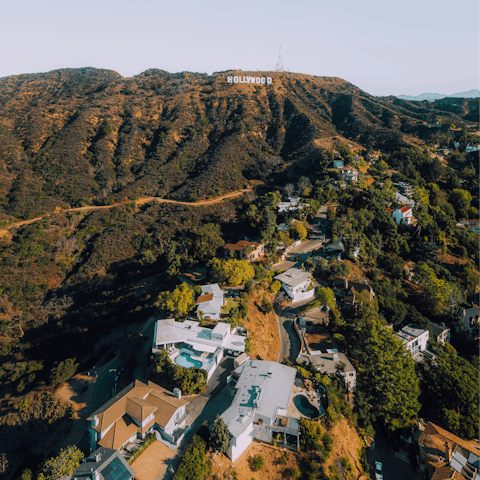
(469, 148)
(134, 412)
(403, 200)
(440, 333)
(354, 288)
(336, 248)
(331, 363)
(259, 408)
(339, 287)
(294, 204)
(443, 455)
(297, 284)
(414, 339)
(469, 318)
(338, 164)
(408, 270)
(103, 464)
(190, 345)
(401, 214)
(471, 224)
(243, 250)
(210, 301)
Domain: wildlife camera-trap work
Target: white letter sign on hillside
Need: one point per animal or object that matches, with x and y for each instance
(252, 80)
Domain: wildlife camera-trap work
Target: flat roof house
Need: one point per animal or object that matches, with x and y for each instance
(190, 345)
(210, 301)
(135, 411)
(292, 205)
(415, 339)
(103, 464)
(259, 408)
(296, 282)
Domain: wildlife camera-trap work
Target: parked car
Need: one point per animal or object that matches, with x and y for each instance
(378, 471)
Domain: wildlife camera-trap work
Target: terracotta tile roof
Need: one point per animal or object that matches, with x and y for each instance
(389, 210)
(232, 246)
(405, 209)
(205, 298)
(409, 265)
(136, 401)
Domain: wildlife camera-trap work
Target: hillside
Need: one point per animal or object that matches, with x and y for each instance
(86, 136)
(473, 93)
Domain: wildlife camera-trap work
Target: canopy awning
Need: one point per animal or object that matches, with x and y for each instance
(201, 347)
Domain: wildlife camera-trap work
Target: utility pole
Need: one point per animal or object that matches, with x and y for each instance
(279, 64)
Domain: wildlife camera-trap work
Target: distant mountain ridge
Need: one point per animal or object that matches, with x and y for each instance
(431, 97)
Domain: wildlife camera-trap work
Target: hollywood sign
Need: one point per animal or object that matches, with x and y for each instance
(253, 80)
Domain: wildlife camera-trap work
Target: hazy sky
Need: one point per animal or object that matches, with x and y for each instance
(408, 47)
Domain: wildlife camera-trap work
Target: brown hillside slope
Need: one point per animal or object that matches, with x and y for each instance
(86, 136)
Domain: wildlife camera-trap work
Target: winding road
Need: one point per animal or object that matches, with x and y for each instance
(140, 201)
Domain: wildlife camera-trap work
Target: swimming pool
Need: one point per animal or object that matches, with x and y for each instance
(305, 407)
(185, 360)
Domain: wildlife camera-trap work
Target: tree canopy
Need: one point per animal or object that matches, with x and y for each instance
(65, 463)
(177, 302)
(220, 436)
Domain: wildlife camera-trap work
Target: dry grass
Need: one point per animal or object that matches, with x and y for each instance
(262, 328)
(152, 462)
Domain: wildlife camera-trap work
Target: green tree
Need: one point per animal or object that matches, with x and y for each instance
(460, 199)
(220, 436)
(387, 381)
(67, 461)
(192, 465)
(208, 241)
(178, 302)
(26, 475)
(258, 462)
(63, 371)
(233, 272)
(275, 286)
(326, 297)
(298, 229)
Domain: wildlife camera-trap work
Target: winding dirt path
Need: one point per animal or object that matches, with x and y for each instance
(140, 201)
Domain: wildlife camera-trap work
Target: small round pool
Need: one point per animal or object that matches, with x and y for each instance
(305, 407)
(185, 360)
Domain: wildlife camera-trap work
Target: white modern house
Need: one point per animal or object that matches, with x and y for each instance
(296, 284)
(210, 301)
(134, 412)
(415, 341)
(190, 345)
(259, 408)
(292, 205)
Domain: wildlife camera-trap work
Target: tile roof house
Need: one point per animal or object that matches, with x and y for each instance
(471, 224)
(259, 408)
(296, 283)
(408, 269)
(401, 214)
(103, 464)
(446, 456)
(135, 411)
(244, 250)
(210, 301)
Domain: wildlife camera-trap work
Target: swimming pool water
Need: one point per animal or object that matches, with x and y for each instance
(185, 360)
(305, 407)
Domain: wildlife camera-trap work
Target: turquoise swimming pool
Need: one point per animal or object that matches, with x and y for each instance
(305, 407)
(185, 360)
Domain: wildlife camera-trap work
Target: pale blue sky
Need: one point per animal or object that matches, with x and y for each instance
(384, 47)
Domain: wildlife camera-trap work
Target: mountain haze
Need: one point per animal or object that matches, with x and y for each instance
(90, 136)
(431, 97)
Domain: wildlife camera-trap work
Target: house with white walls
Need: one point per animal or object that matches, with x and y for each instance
(210, 301)
(191, 345)
(263, 393)
(401, 214)
(134, 412)
(415, 339)
(297, 284)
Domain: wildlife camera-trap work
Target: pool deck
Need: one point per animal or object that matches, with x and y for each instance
(312, 397)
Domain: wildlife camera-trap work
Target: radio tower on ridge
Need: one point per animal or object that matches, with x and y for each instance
(279, 65)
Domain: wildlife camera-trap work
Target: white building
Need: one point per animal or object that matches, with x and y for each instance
(296, 283)
(401, 215)
(292, 205)
(210, 301)
(471, 224)
(469, 148)
(399, 198)
(414, 339)
(190, 345)
(263, 394)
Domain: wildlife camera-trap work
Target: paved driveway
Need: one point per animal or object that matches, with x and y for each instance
(393, 467)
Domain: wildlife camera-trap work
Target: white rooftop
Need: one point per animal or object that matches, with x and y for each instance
(262, 389)
(294, 277)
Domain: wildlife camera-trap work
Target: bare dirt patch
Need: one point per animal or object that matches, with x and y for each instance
(152, 462)
(273, 469)
(262, 328)
(346, 443)
(319, 341)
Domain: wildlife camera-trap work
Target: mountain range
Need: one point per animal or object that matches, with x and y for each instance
(431, 97)
(90, 136)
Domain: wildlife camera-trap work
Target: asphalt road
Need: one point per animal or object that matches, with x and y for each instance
(393, 467)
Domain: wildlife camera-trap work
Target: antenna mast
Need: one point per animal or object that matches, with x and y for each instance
(279, 65)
